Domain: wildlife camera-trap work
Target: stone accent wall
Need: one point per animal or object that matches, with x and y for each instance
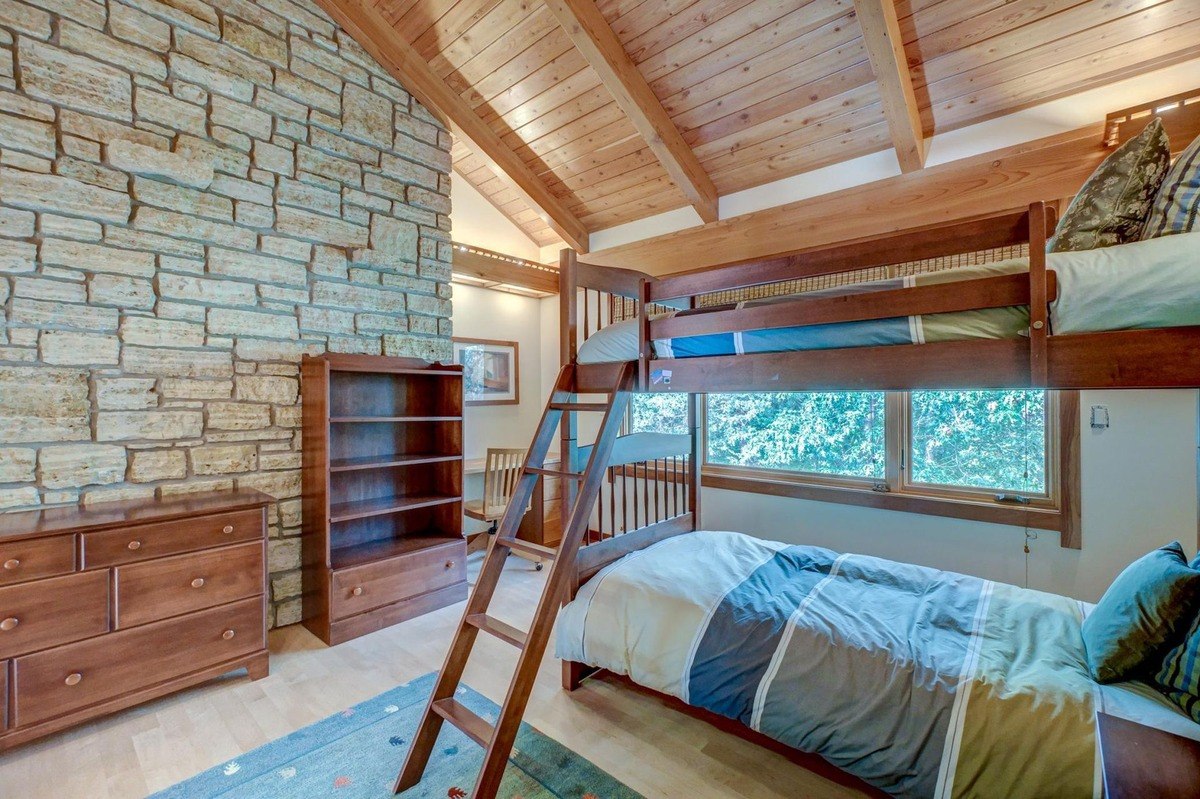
(192, 195)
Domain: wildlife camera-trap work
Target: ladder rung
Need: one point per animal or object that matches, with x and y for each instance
(529, 548)
(503, 631)
(598, 407)
(466, 720)
(554, 473)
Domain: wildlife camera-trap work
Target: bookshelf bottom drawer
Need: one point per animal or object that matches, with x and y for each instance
(356, 589)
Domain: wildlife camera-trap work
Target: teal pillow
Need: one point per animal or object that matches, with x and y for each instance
(1179, 677)
(1141, 613)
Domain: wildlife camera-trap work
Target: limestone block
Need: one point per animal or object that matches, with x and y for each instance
(255, 41)
(73, 80)
(17, 256)
(317, 228)
(253, 266)
(238, 416)
(120, 291)
(67, 348)
(232, 322)
(150, 465)
(156, 425)
(27, 135)
(367, 116)
(152, 332)
(176, 167)
(96, 44)
(412, 346)
(76, 465)
(125, 393)
(17, 464)
(276, 390)
(223, 459)
(24, 497)
(164, 362)
(62, 195)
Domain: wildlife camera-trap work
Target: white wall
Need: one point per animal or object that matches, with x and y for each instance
(1139, 492)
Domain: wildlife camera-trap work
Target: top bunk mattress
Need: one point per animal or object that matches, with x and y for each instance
(1145, 284)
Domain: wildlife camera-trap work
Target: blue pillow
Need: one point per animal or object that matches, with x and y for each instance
(1145, 610)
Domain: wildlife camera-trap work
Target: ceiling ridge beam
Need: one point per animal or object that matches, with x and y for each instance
(600, 47)
(370, 29)
(885, 49)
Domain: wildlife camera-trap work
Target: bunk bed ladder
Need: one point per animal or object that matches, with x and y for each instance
(497, 739)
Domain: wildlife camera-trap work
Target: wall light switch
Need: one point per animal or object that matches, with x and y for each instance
(1099, 417)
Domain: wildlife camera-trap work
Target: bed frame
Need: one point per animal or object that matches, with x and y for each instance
(591, 297)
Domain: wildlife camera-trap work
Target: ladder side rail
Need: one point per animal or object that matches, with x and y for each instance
(561, 573)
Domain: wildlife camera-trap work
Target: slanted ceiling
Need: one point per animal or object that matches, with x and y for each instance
(756, 90)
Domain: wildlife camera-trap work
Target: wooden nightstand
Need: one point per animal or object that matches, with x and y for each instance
(1141, 761)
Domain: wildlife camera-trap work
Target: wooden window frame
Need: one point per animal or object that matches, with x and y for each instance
(1059, 511)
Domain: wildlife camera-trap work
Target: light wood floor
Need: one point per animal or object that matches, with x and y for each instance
(657, 751)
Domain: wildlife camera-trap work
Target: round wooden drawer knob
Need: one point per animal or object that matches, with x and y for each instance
(135, 545)
(9, 623)
(12, 565)
(228, 634)
(73, 679)
(449, 564)
(198, 582)
(227, 529)
(356, 591)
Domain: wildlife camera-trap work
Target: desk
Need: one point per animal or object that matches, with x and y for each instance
(1141, 761)
(542, 525)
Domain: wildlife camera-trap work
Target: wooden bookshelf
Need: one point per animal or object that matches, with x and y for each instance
(382, 492)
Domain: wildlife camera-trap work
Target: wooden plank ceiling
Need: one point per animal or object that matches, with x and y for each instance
(758, 90)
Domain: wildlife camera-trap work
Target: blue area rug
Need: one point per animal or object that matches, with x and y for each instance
(357, 753)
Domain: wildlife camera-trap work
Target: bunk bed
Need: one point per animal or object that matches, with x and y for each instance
(676, 333)
(631, 507)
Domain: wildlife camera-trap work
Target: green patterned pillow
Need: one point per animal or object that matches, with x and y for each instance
(1140, 614)
(1179, 677)
(1113, 204)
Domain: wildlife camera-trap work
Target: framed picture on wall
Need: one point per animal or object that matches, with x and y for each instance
(491, 374)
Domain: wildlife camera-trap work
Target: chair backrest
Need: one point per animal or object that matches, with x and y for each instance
(502, 469)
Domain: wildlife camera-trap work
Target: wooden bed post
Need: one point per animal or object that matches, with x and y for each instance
(643, 335)
(693, 421)
(1038, 321)
(568, 331)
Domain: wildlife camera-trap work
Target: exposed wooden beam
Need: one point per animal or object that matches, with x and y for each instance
(491, 200)
(1001, 180)
(601, 48)
(885, 48)
(372, 31)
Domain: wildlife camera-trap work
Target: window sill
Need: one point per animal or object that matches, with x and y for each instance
(1016, 516)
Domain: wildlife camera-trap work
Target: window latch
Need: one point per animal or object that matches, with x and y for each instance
(880, 488)
(1016, 499)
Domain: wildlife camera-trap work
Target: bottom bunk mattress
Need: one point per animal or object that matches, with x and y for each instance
(1141, 285)
(920, 682)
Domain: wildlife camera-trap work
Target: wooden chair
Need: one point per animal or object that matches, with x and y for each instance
(501, 471)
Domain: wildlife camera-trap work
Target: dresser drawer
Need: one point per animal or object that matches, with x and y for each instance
(54, 611)
(36, 557)
(159, 589)
(141, 542)
(3, 694)
(72, 677)
(357, 589)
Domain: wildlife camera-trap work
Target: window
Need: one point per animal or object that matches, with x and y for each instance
(986, 455)
(658, 413)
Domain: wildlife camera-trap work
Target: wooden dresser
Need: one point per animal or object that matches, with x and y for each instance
(109, 606)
